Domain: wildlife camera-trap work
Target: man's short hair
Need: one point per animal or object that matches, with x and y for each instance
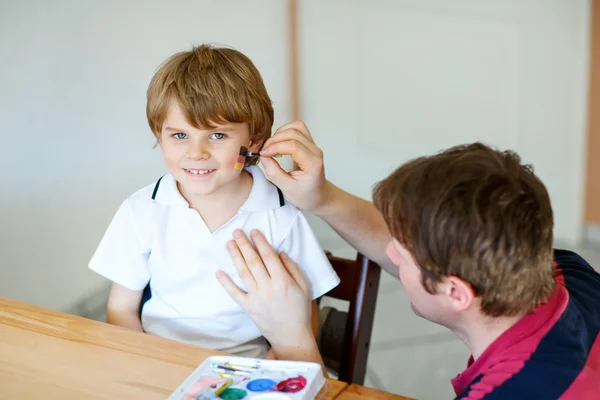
(477, 214)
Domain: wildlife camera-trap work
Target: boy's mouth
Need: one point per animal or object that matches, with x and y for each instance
(198, 172)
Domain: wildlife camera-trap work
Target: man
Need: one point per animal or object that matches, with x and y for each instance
(471, 241)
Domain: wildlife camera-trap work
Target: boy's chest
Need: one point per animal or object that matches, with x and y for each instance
(184, 250)
(210, 221)
(182, 267)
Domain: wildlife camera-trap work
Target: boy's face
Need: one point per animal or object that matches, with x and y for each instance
(202, 161)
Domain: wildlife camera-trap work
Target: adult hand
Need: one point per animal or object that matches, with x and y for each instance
(305, 186)
(278, 298)
(355, 219)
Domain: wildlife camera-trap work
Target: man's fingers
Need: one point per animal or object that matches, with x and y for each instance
(302, 156)
(241, 266)
(289, 135)
(275, 173)
(297, 125)
(231, 288)
(296, 273)
(269, 256)
(251, 257)
(292, 134)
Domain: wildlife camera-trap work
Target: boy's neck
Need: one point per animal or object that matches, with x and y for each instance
(217, 208)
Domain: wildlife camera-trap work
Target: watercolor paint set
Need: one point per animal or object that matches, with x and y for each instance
(236, 378)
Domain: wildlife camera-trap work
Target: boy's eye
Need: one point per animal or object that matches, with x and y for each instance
(217, 136)
(180, 135)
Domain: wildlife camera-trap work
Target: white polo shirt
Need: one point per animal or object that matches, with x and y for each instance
(166, 243)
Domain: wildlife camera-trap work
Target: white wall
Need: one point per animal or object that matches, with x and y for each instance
(75, 141)
(385, 81)
(382, 81)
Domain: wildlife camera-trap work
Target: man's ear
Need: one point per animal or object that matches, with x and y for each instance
(460, 294)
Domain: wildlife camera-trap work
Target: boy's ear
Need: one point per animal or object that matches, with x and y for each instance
(255, 146)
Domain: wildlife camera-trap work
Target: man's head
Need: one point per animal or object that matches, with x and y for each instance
(203, 105)
(472, 228)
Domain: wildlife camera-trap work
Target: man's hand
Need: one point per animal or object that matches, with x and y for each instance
(278, 298)
(354, 219)
(305, 186)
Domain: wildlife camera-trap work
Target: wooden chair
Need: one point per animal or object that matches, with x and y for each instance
(359, 286)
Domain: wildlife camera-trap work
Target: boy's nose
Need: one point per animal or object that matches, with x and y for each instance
(197, 150)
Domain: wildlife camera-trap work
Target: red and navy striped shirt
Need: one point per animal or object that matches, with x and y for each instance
(552, 353)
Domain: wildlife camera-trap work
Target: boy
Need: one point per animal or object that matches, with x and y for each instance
(203, 106)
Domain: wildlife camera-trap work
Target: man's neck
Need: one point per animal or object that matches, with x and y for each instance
(479, 333)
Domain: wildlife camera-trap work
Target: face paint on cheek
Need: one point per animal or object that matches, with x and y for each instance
(239, 164)
(241, 160)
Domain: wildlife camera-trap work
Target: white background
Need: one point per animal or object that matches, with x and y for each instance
(381, 82)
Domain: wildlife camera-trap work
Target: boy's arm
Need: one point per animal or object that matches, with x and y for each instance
(122, 258)
(123, 308)
(315, 318)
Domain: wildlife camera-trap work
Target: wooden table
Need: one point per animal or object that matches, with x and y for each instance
(356, 392)
(52, 355)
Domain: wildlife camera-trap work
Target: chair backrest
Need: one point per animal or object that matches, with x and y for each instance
(359, 285)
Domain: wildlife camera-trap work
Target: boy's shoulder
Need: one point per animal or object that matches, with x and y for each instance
(265, 196)
(153, 199)
(287, 211)
(267, 199)
(147, 194)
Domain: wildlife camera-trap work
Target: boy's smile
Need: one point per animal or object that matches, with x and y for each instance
(202, 160)
(198, 172)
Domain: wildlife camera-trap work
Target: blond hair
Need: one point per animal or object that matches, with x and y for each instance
(212, 86)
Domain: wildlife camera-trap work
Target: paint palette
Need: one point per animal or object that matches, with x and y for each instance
(236, 378)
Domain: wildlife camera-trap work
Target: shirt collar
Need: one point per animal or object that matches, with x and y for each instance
(166, 192)
(263, 195)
